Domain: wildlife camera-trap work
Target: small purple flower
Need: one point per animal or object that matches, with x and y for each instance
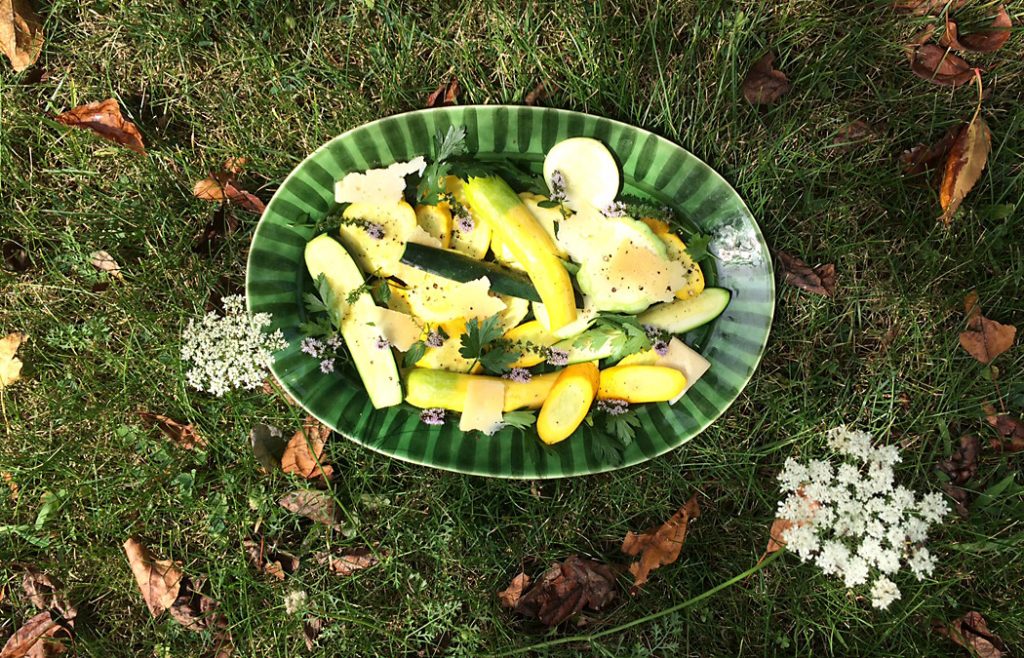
(661, 347)
(465, 223)
(312, 347)
(334, 342)
(326, 366)
(613, 406)
(434, 416)
(557, 185)
(374, 230)
(520, 375)
(382, 343)
(557, 356)
(614, 209)
(435, 339)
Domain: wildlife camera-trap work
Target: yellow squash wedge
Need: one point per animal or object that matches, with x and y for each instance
(437, 221)
(494, 202)
(568, 402)
(425, 388)
(636, 384)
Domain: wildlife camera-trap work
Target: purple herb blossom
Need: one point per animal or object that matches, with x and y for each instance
(613, 406)
(557, 185)
(434, 416)
(435, 339)
(652, 332)
(375, 230)
(520, 375)
(661, 347)
(326, 366)
(557, 356)
(465, 223)
(614, 209)
(312, 347)
(382, 343)
(334, 342)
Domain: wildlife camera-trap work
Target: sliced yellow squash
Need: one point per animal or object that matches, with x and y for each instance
(568, 402)
(437, 221)
(636, 384)
(377, 254)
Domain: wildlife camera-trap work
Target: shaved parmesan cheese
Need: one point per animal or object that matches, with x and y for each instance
(381, 186)
(400, 329)
(419, 236)
(485, 398)
(686, 361)
(436, 299)
(636, 266)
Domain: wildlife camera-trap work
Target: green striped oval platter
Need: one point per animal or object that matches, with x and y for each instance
(276, 279)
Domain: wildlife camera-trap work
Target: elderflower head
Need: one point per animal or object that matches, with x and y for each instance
(230, 351)
(853, 521)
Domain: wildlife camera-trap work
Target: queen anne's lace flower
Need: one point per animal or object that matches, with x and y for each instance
(230, 351)
(853, 521)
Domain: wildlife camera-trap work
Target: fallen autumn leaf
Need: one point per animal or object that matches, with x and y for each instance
(536, 95)
(222, 186)
(348, 564)
(1009, 427)
(447, 93)
(926, 7)
(21, 33)
(509, 597)
(566, 588)
(268, 445)
(104, 262)
(972, 633)
(314, 505)
(961, 466)
(984, 339)
(659, 546)
(184, 435)
(270, 561)
(105, 120)
(158, 580)
(10, 365)
(28, 641)
(764, 83)
(922, 157)
(820, 280)
(966, 160)
(982, 41)
(302, 455)
(937, 64)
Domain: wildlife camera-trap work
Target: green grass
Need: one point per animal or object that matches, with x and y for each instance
(272, 81)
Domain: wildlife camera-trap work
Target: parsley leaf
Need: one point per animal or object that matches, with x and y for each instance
(326, 301)
(414, 353)
(317, 328)
(431, 187)
(606, 448)
(453, 143)
(313, 303)
(697, 246)
(623, 427)
(478, 335)
(499, 358)
(632, 338)
(521, 420)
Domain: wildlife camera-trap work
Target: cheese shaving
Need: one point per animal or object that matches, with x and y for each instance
(400, 329)
(381, 186)
(485, 398)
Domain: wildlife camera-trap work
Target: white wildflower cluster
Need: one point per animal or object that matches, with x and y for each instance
(853, 520)
(230, 351)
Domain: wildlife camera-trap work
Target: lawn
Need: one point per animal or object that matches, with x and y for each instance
(271, 81)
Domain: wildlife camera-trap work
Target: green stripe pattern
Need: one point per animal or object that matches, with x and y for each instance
(652, 166)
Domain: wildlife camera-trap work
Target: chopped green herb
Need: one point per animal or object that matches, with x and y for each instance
(697, 246)
(354, 294)
(414, 353)
(522, 420)
(382, 292)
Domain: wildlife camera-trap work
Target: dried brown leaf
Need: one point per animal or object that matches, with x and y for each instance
(220, 226)
(447, 93)
(27, 641)
(921, 158)
(853, 133)
(10, 365)
(222, 188)
(105, 120)
(46, 593)
(348, 564)
(314, 505)
(184, 435)
(939, 65)
(566, 588)
(268, 444)
(983, 41)
(764, 83)
(961, 466)
(1010, 427)
(104, 262)
(15, 256)
(302, 455)
(972, 633)
(21, 33)
(984, 339)
(270, 561)
(536, 95)
(158, 580)
(820, 280)
(509, 597)
(661, 545)
(196, 611)
(927, 7)
(966, 160)
(311, 628)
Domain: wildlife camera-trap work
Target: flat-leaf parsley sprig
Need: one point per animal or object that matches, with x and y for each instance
(853, 521)
(230, 351)
(482, 343)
